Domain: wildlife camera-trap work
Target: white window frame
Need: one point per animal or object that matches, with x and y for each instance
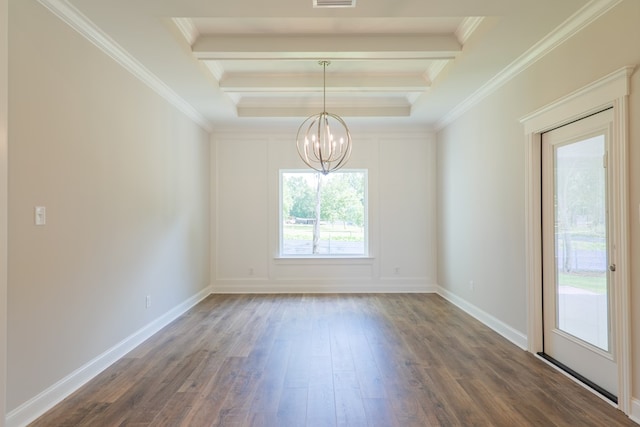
(365, 253)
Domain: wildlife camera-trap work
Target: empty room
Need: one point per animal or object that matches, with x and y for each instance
(319, 213)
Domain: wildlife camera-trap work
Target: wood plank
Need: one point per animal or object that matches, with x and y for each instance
(379, 412)
(292, 409)
(321, 406)
(349, 408)
(330, 360)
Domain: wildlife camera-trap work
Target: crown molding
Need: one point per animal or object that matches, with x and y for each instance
(570, 27)
(467, 27)
(216, 68)
(589, 99)
(435, 68)
(187, 29)
(70, 15)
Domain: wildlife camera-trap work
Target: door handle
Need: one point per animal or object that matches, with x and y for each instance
(612, 267)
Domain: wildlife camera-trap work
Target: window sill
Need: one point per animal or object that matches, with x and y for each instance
(327, 259)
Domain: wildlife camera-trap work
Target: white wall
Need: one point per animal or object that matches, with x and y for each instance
(125, 180)
(481, 172)
(401, 169)
(481, 213)
(4, 100)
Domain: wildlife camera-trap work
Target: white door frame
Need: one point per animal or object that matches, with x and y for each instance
(609, 91)
(4, 210)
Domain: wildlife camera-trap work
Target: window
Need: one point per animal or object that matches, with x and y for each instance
(323, 215)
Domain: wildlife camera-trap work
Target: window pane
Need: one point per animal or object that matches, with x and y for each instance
(323, 214)
(581, 241)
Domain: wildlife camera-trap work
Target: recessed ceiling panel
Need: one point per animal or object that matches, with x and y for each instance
(215, 58)
(333, 25)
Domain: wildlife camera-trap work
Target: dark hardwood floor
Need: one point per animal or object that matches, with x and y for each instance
(330, 360)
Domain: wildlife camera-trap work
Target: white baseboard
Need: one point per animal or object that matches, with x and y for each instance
(516, 337)
(298, 286)
(35, 407)
(635, 410)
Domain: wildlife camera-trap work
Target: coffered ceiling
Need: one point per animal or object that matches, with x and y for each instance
(403, 62)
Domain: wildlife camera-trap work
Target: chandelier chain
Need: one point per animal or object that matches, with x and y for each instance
(324, 84)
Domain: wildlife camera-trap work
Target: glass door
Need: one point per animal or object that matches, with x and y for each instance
(577, 275)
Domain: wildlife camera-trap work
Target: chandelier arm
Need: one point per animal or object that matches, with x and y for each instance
(328, 139)
(318, 147)
(309, 146)
(305, 157)
(304, 144)
(333, 155)
(347, 150)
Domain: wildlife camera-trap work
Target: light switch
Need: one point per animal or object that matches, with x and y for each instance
(40, 215)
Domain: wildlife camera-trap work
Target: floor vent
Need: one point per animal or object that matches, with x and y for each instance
(334, 3)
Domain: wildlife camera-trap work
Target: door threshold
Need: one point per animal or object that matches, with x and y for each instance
(590, 384)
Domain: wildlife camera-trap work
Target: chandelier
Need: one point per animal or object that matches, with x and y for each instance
(323, 140)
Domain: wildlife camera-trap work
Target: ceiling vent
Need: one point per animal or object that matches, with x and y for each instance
(334, 3)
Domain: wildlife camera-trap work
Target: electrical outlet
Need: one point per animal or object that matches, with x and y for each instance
(250, 271)
(472, 285)
(147, 301)
(396, 270)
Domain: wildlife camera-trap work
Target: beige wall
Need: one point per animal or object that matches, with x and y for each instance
(125, 181)
(481, 172)
(4, 59)
(401, 200)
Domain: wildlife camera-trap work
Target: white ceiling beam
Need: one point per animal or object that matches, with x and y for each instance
(247, 82)
(373, 111)
(372, 106)
(304, 47)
